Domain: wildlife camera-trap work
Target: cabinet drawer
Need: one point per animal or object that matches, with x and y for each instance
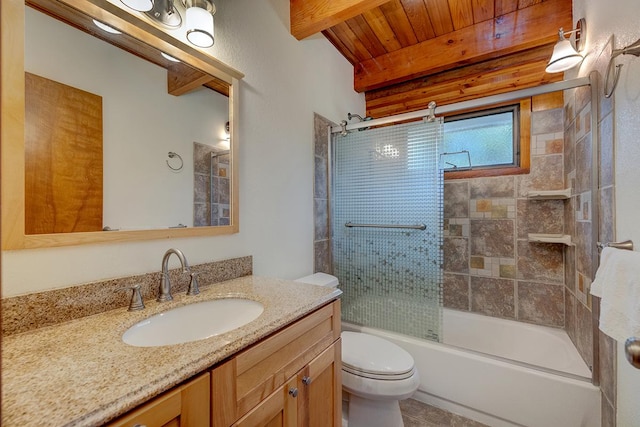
(243, 382)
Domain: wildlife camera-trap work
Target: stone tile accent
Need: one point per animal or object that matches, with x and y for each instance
(608, 354)
(570, 303)
(546, 174)
(456, 227)
(583, 121)
(583, 247)
(547, 121)
(322, 257)
(493, 208)
(455, 291)
(26, 312)
(541, 303)
(320, 178)
(493, 267)
(583, 164)
(607, 218)
(539, 216)
(548, 143)
(584, 333)
(493, 297)
(569, 152)
(456, 255)
(322, 244)
(606, 151)
(456, 200)
(498, 187)
(541, 262)
(321, 216)
(608, 414)
(570, 268)
(492, 238)
(321, 135)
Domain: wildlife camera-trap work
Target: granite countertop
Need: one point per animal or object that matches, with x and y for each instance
(81, 373)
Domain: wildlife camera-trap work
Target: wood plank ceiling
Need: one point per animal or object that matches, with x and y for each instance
(447, 50)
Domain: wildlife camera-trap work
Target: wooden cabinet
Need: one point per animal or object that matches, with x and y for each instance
(185, 405)
(291, 378)
(308, 399)
(304, 356)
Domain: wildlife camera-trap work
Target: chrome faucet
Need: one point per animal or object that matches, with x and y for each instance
(165, 282)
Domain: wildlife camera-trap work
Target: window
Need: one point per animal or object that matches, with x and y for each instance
(488, 139)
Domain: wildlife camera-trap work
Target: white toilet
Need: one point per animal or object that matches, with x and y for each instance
(376, 374)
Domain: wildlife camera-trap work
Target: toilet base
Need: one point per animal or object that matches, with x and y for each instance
(372, 413)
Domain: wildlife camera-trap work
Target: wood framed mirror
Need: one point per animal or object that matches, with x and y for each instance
(145, 40)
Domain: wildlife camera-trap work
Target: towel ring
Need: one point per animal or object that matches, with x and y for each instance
(171, 156)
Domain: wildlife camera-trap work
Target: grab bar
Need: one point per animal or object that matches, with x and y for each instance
(412, 227)
(627, 245)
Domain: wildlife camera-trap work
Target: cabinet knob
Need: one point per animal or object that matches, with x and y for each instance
(306, 380)
(293, 392)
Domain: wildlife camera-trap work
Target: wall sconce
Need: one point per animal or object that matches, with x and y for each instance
(565, 56)
(199, 17)
(632, 49)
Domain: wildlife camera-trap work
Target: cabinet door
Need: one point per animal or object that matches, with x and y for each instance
(184, 406)
(278, 410)
(243, 382)
(320, 385)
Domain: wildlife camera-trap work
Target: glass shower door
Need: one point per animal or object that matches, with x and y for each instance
(387, 215)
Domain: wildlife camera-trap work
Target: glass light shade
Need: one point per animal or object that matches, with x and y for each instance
(105, 27)
(199, 27)
(169, 57)
(139, 5)
(563, 58)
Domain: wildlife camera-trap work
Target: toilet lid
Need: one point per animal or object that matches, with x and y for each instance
(373, 357)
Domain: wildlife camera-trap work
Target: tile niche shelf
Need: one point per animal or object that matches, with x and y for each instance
(564, 239)
(549, 194)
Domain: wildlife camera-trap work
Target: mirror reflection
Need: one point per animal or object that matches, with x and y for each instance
(108, 147)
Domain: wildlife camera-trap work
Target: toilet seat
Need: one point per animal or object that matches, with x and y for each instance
(372, 357)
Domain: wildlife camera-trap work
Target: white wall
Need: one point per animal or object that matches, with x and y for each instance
(285, 82)
(141, 121)
(621, 19)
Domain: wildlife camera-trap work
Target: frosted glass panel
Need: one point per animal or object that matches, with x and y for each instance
(384, 179)
(489, 140)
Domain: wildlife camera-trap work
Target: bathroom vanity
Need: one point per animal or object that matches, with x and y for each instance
(282, 369)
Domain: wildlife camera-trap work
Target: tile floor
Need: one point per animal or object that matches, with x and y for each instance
(418, 414)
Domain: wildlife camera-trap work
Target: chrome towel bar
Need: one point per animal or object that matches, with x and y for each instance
(412, 227)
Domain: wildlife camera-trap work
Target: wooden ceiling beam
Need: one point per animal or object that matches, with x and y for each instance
(510, 33)
(309, 17)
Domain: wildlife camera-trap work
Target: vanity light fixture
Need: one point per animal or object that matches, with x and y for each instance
(105, 27)
(200, 22)
(199, 17)
(565, 56)
(139, 5)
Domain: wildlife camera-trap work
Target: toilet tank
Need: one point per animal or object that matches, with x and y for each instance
(320, 279)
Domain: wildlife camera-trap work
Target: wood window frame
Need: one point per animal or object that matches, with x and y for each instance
(525, 149)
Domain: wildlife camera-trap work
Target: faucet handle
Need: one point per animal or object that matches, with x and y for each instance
(136, 297)
(193, 285)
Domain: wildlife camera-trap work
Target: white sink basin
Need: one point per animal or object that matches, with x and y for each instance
(193, 322)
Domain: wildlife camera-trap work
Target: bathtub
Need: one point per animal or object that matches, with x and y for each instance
(501, 372)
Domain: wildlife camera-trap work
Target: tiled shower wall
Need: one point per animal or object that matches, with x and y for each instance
(211, 186)
(321, 243)
(490, 266)
(582, 311)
